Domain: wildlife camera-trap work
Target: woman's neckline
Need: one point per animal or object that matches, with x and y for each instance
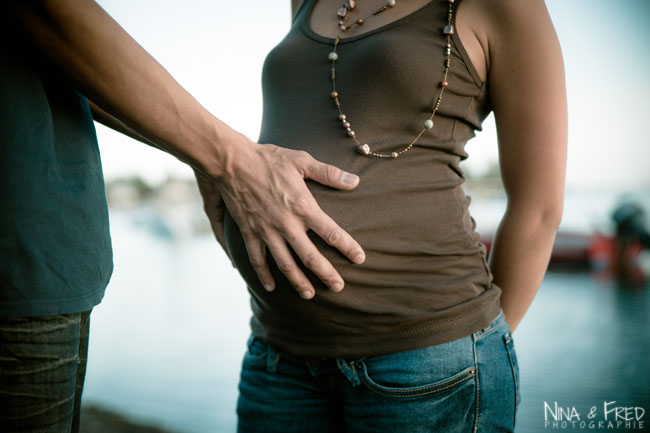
(305, 23)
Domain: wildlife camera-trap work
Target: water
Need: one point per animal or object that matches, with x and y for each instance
(167, 341)
(584, 342)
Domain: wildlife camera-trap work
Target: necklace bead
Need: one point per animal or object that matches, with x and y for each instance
(428, 124)
(333, 56)
(390, 3)
(363, 149)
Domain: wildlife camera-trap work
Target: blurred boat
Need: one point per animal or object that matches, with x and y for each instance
(624, 254)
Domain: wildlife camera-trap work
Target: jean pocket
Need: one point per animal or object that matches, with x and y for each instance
(420, 372)
(514, 366)
(395, 390)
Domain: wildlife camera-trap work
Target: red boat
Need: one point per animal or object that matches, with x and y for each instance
(605, 254)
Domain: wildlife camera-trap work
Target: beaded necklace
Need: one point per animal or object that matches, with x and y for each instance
(343, 15)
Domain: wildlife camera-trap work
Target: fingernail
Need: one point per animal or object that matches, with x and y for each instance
(349, 178)
(268, 287)
(359, 258)
(337, 287)
(305, 295)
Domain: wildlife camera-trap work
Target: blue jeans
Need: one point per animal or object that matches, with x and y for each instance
(467, 385)
(42, 370)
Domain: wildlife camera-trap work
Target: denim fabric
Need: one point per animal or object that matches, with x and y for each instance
(42, 370)
(466, 385)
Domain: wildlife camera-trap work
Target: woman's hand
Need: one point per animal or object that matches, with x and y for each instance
(263, 187)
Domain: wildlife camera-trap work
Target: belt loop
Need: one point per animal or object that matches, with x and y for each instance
(350, 370)
(272, 358)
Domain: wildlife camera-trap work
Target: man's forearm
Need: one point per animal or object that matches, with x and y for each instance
(117, 74)
(519, 259)
(116, 124)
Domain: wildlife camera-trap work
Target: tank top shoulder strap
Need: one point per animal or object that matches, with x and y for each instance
(302, 10)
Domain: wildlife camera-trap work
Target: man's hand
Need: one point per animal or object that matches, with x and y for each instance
(264, 190)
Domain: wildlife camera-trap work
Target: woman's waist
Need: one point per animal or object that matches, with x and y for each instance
(359, 321)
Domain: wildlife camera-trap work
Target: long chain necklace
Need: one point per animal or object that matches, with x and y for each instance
(343, 15)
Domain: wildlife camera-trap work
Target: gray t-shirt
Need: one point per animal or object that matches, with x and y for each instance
(55, 248)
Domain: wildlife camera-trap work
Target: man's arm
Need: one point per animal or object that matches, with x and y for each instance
(115, 124)
(527, 89)
(121, 78)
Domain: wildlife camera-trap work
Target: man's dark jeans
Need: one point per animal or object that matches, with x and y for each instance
(42, 369)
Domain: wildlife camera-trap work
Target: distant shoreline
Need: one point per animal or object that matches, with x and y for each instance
(96, 419)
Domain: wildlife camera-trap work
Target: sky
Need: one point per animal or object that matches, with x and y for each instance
(215, 49)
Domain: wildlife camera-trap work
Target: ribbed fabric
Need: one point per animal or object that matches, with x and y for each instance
(425, 280)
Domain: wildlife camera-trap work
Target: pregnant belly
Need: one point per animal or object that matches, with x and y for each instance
(408, 230)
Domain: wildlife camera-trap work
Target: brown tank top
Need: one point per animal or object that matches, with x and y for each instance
(425, 280)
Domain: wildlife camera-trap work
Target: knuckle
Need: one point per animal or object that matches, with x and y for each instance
(285, 266)
(306, 164)
(301, 206)
(257, 262)
(246, 232)
(256, 224)
(265, 233)
(286, 227)
(334, 236)
(252, 231)
(332, 172)
(311, 168)
(303, 156)
(311, 260)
